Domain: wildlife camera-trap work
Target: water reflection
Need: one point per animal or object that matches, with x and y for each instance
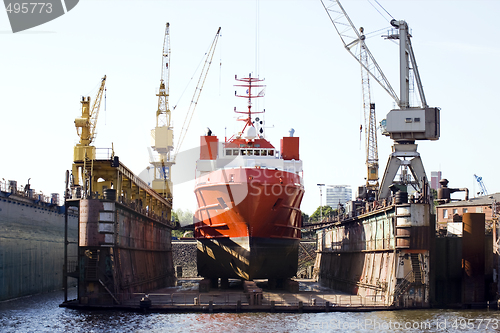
(41, 313)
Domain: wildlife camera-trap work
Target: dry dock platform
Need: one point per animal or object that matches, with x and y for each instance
(186, 297)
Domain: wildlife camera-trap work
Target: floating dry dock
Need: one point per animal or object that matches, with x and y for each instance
(380, 249)
(124, 244)
(310, 298)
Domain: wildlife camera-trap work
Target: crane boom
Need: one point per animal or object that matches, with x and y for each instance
(163, 113)
(405, 124)
(85, 128)
(481, 184)
(350, 38)
(197, 91)
(86, 124)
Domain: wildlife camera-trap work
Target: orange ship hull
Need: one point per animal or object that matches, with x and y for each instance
(248, 223)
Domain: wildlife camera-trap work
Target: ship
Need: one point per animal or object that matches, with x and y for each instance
(32, 234)
(248, 218)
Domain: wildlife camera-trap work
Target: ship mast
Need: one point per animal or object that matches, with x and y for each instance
(249, 83)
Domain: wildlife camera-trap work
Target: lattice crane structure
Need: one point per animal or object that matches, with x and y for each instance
(403, 125)
(162, 136)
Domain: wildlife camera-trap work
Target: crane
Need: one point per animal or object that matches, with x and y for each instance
(85, 128)
(403, 125)
(370, 122)
(484, 191)
(162, 136)
(197, 91)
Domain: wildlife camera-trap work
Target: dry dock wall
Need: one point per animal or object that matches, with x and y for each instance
(121, 252)
(31, 248)
(384, 253)
(463, 267)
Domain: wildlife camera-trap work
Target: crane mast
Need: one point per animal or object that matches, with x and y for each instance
(370, 122)
(162, 135)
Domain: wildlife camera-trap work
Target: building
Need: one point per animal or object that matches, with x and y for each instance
(336, 194)
(449, 215)
(435, 178)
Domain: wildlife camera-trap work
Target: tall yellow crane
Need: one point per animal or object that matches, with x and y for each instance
(162, 136)
(85, 128)
(370, 121)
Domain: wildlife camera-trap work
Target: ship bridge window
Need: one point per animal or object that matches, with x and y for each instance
(236, 152)
(263, 152)
(257, 145)
(256, 152)
(243, 152)
(271, 152)
(250, 152)
(229, 152)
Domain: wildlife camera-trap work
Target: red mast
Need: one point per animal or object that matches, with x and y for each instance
(249, 83)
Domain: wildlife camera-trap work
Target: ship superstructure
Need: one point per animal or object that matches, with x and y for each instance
(248, 219)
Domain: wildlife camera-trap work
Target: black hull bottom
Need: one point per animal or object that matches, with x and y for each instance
(248, 258)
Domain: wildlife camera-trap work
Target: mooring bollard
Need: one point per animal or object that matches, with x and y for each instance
(196, 301)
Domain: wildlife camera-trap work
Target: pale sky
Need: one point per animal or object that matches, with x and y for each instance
(313, 84)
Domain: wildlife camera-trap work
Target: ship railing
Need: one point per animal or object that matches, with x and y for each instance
(191, 298)
(72, 264)
(103, 153)
(9, 186)
(318, 299)
(180, 299)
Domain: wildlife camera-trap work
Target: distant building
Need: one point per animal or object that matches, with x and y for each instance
(336, 194)
(435, 178)
(449, 215)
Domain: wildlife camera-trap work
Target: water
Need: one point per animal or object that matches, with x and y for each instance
(41, 313)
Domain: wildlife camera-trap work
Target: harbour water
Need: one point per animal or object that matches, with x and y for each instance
(41, 313)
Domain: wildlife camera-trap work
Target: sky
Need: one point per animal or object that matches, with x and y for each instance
(313, 84)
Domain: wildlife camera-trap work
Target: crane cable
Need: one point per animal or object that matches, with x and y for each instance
(382, 8)
(197, 92)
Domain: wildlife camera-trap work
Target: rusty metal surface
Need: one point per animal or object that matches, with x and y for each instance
(473, 258)
(121, 252)
(385, 252)
(89, 223)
